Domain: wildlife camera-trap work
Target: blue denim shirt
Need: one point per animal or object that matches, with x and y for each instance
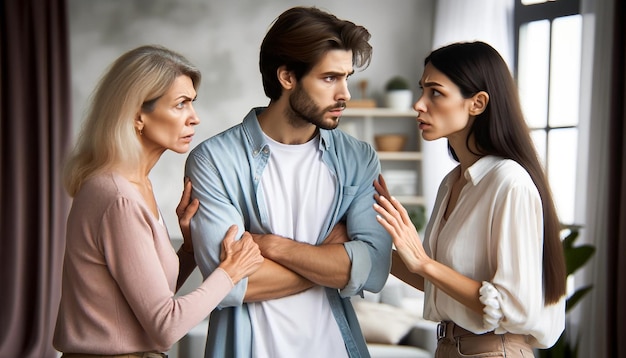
(225, 171)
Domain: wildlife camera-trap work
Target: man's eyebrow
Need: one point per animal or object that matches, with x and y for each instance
(337, 73)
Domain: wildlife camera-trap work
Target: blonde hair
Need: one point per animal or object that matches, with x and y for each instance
(132, 83)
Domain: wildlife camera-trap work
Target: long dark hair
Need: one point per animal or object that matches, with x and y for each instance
(501, 130)
(299, 38)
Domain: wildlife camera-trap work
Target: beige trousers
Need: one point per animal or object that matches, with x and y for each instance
(129, 355)
(456, 342)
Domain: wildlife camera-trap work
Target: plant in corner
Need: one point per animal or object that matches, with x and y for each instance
(575, 258)
(397, 83)
(398, 93)
(418, 217)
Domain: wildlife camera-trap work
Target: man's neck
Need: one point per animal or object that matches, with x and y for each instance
(277, 126)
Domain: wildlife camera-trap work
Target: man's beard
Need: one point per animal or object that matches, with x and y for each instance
(303, 109)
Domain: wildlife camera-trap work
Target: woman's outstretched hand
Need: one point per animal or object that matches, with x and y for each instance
(395, 219)
(240, 258)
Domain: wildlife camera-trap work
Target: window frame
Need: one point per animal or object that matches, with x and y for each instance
(549, 10)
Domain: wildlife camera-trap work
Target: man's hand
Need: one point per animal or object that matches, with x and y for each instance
(267, 242)
(273, 280)
(338, 235)
(325, 264)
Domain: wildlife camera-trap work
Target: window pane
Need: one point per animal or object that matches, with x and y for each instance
(565, 71)
(533, 75)
(562, 151)
(539, 138)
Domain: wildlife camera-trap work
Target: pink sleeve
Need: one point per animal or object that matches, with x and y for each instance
(131, 255)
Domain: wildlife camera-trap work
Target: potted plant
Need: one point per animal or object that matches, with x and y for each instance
(398, 94)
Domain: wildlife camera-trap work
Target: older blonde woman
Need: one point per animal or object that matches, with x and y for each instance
(120, 271)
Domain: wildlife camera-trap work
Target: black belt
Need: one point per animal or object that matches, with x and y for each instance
(452, 330)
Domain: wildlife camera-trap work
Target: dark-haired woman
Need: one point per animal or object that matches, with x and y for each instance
(491, 265)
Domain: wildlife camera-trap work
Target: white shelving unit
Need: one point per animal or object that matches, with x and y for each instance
(365, 123)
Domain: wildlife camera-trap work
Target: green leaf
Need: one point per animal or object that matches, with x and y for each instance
(576, 257)
(558, 350)
(418, 217)
(397, 83)
(575, 298)
(568, 241)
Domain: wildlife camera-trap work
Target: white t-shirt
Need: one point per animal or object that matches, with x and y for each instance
(298, 189)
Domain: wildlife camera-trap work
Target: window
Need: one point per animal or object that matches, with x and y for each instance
(548, 44)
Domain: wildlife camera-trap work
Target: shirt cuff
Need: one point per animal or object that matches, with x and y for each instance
(219, 269)
(493, 311)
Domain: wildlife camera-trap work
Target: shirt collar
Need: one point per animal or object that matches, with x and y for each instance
(324, 139)
(253, 130)
(479, 170)
(257, 139)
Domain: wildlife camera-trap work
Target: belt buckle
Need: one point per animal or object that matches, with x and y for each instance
(441, 330)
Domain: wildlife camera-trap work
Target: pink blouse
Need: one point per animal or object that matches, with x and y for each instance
(119, 276)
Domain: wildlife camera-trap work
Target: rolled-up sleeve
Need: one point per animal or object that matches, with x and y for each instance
(212, 220)
(516, 290)
(370, 246)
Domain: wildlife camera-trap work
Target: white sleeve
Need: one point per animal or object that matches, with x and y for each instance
(514, 299)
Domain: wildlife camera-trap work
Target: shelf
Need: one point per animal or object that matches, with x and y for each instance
(399, 155)
(365, 123)
(410, 200)
(378, 112)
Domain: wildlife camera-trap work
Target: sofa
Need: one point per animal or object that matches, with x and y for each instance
(391, 322)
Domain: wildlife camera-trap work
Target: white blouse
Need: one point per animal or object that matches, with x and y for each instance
(494, 235)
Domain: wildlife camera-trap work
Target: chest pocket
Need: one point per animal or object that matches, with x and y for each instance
(349, 193)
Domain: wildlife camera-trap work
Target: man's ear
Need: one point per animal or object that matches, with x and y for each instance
(286, 78)
(479, 103)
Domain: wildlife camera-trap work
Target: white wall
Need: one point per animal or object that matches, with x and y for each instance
(222, 39)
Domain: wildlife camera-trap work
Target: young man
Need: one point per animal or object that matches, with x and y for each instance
(305, 189)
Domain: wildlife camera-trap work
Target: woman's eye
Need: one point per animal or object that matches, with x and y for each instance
(436, 93)
(181, 105)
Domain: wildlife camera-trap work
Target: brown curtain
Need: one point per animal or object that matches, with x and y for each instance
(35, 127)
(616, 225)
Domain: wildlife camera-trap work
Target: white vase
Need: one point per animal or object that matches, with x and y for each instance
(399, 99)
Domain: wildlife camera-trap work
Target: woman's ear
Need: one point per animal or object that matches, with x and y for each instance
(139, 123)
(286, 78)
(479, 103)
